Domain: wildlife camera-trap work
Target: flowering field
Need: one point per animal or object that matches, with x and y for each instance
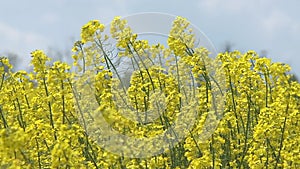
(240, 110)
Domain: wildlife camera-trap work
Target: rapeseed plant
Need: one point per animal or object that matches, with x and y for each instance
(49, 118)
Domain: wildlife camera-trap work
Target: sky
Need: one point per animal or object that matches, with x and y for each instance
(266, 26)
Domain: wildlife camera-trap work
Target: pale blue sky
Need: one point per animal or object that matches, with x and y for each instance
(271, 25)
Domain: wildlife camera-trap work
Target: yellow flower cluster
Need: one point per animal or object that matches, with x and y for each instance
(90, 29)
(181, 38)
(49, 118)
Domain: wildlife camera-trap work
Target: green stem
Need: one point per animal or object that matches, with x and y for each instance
(282, 136)
(2, 80)
(3, 118)
(38, 153)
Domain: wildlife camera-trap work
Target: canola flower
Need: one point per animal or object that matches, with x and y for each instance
(44, 118)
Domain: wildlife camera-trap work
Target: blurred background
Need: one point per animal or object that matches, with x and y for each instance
(270, 27)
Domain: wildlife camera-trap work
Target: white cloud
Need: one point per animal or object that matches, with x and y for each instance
(20, 42)
(12, 38)
(228, 5)
(106, 13)
(278, 21)
(271, 15)
(50, 18)
(7, 31)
